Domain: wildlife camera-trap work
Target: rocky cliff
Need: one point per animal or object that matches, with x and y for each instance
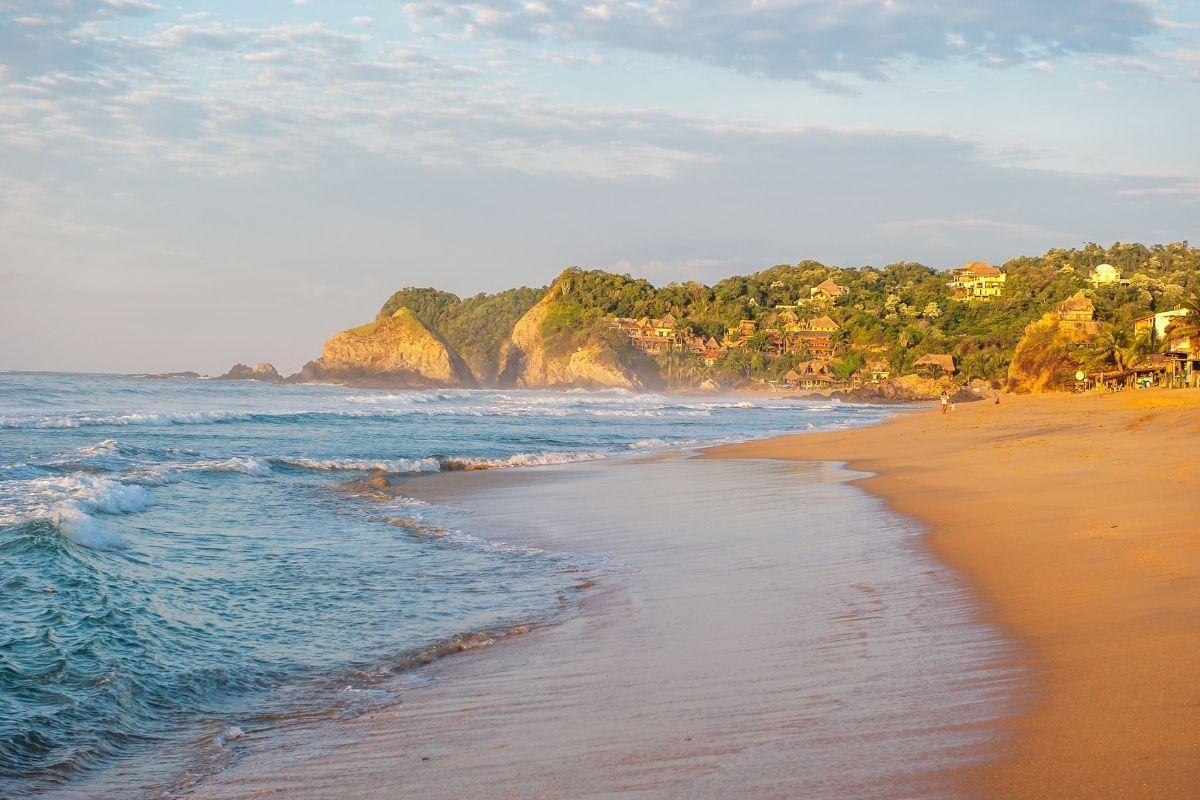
(529, 361)
(1048, 355)
(397, 351)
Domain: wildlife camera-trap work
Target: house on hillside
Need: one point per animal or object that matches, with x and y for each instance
(648, 335)
(665, 327)
(828, 289)
(1105, 274)
(814, 374)
(977, 279)
(823, 324)
(1078, 312)
(936, 364)
(786, 318)
(1159, 322)
(817, 343)
(712, 351)
(1183, 347)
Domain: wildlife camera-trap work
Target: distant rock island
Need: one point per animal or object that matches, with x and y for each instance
(169, 375)
(261, 371)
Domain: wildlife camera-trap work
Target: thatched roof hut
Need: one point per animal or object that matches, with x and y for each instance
(937, 361)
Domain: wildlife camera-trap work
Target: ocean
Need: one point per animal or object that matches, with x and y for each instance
(183, 561)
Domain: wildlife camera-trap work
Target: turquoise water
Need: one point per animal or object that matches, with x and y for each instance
(182, 560)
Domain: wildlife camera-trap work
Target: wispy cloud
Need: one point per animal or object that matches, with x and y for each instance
(804, 40)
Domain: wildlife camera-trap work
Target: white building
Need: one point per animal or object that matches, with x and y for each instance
(1105, 273)
(1161, 321)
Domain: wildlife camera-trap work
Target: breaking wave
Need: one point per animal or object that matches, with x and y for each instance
(72, 504)
(607, 404)
(257, 467)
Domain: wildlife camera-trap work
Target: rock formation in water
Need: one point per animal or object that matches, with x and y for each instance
(261, 371)
(398, 351)
(168, 375)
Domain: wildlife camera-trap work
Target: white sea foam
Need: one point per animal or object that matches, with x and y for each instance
(662, 444)
(71, 503)
(400, 465)
(135, 418)
(152, 476)
(84, 529)
(384, 406)
(104, 448)
(248, 466)
(521, 460)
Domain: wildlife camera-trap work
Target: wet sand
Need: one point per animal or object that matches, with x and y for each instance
(754, 629)
(1076, 519)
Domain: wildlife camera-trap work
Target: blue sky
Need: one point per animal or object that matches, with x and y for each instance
(185, 185)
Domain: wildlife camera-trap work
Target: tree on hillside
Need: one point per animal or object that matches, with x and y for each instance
(1112, 349)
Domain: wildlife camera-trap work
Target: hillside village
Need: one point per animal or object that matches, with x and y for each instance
(1125, 315)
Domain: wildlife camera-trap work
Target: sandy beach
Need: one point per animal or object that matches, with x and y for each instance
(1074, 519)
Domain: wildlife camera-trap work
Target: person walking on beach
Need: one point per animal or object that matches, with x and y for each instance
(945, 402)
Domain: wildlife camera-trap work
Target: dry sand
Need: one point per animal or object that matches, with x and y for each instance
(1077, 519)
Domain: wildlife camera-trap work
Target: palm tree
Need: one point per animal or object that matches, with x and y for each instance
(1145, 343)
(1112, 349)
(1189, 325)
(672, 359)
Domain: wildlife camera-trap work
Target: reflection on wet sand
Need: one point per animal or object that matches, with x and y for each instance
(761, 630)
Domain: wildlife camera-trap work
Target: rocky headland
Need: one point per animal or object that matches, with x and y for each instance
(397, 351)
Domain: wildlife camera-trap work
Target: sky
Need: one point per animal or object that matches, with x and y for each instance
(183, 186)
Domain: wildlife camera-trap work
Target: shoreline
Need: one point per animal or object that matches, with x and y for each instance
(685, 670)
(1058, 511)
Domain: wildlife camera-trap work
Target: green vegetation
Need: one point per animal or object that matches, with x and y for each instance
(895, 313)
(474, 327)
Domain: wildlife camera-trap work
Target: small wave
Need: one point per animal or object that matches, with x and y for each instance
(247, 466)
(136, 418)
(385, 407)
(84, 529)
(104, 448)
(397, 466)
(661, 444)
(401, 466)
(518, 460)
(71, 503)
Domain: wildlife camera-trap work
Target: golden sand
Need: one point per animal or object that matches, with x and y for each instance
(1077, 519)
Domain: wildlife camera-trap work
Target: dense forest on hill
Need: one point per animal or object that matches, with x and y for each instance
(474, 326)
(895, 313)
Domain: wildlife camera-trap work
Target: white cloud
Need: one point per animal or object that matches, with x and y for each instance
(947, 229)
(802, 40)
(1186, 189)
